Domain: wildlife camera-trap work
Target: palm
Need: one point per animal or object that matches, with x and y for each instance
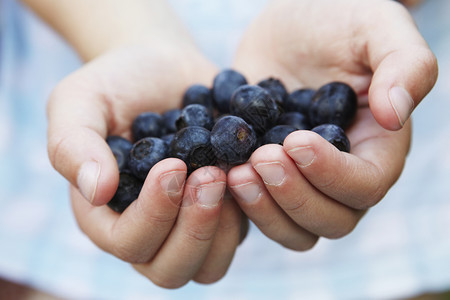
(314, 44)
(301, 56)
(132, 80)
(336, 187)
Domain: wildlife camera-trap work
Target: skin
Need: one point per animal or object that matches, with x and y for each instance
(143, 59)
(167, 234)
(325, 192)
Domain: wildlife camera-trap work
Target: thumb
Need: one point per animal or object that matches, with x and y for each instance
(404, 67)
(77, 128)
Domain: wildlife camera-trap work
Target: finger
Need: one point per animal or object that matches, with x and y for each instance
(300, 200)
(404, 67)
(136, 234)
(226, 240)
(77, 128)
(189, 242)
(248, 189)
(359, 179)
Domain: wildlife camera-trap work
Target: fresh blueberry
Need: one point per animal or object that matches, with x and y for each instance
(299, 101)
(145, 154)
(233, 140)
(167, 138)
(121, 148)
(195, 115)
(255, 105)
(147, 124)
(168, 120)
(335, 135)
(199, 94)
(275, 88)
(333, 103)
(193, 146)
(296, 119)
(127, 191)
(224, 85)
(277, 134)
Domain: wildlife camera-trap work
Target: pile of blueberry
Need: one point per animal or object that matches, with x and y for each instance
(224, 124)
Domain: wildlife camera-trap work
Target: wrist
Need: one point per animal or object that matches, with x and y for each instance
(96, 27)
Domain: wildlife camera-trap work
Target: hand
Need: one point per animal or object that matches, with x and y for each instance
(306, 188)
(174, 231)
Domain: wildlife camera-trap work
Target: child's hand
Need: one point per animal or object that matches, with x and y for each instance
(373, 45)
(173, 232)
(307, 188)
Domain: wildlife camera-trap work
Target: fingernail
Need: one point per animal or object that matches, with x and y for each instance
(402, 103)
(172, 182)
(272, 173)
(209, 195)
(88, 178)
(303, 156)
(248, 192)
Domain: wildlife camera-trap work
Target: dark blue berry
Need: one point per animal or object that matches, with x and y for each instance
(224, 85)
(147, 124)
(233, 140)
(255, 105)
(193, 146)
(335, 135)
(276, 89)
(195, 115)
(167, 138)
(168, 120)
(127, 191)
(299, 101)
(277, 134)
(296, 119)
(199, 94)
(121, 148)
(333, 103)
(145, 154)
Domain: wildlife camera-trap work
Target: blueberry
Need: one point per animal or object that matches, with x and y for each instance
(147, 124)
(296, 119)
(127, 191)
(299, 101)
(193, 146)
(277, 134)
(195, 115)
(199, 94)
(255, 105)
(145, 154)
(275, 88)
(333, 103)
(121, 148)
(224, 85)
(167, 138)
(233, 140)
(168, 120)
(335, 135)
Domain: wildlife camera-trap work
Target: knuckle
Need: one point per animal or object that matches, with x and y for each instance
(58, 146)
(300, 245)
(123, 251)
(209, 277)
(151, 216)
(292, 206)
(378, 192)
(341, 231)
(166, 281)
(199, 234)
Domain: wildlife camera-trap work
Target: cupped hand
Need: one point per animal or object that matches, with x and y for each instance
(306, 188)
(177, 230)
